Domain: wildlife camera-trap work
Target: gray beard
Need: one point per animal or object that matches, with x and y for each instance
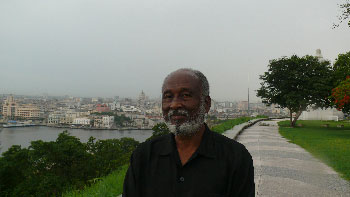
(188, 128)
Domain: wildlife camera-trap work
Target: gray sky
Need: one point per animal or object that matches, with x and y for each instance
(120, 47)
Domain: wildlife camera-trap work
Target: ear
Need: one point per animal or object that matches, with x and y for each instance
(207, 103)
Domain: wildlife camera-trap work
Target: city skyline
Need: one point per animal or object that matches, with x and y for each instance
(109, 48)
(5, 95)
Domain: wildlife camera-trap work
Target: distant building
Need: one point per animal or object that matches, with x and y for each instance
(130, 108)
(81, 121)
(28, 111)
(102, 108)
(142, 99)
(114, 106)
(243, 105)
(94, 100)
(9, 107)
(107, 121)
(103, 121)
(55, 118)
(322, 114)
(65, 116)
(12, 109)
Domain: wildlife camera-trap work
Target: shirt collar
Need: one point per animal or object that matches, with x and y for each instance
(168, 145)
(206, 148)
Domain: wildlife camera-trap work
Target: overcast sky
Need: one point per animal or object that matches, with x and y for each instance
(112, 48)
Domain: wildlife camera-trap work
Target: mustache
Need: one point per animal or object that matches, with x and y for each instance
(180, 112)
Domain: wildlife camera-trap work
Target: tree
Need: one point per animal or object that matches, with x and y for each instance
(296, 83)
(341, 96)
(121, 120)
(159, 130)
(13, 169)
(341, 68)
(345, 15)
(50, 168)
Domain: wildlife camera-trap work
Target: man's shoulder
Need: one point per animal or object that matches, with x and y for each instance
(153, 146)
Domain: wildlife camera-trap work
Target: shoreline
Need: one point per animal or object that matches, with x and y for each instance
(84, 128)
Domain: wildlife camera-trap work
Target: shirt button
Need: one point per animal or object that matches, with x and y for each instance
(182, 179)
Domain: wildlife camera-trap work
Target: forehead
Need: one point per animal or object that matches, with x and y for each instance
(181, 80)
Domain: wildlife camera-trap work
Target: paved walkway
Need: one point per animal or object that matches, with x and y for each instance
(285, 169)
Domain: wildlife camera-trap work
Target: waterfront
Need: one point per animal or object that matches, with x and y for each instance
(24, 135)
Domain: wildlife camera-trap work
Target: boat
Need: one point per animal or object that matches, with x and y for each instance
(17, 124)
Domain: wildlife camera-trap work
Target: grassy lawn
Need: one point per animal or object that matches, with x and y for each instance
(111, 185)
(229, 124)
(330, 144)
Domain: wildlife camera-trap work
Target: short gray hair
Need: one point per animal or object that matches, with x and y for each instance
(199, 75)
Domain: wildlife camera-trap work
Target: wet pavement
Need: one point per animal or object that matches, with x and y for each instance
(285, 169)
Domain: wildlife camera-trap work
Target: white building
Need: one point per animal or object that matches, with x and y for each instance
(130, 108)
(103, 121)
(81, 121)
(107, 121)
(322, 114)
(55, 118)
(114, 105)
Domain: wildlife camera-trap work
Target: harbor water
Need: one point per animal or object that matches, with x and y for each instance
(24, 135)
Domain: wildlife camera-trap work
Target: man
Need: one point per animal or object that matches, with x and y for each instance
(191, 161)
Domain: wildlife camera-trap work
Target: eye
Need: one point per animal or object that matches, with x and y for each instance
(186, 95)
(167, 96)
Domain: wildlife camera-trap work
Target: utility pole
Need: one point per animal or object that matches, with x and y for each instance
(248, 96)
(248, 103)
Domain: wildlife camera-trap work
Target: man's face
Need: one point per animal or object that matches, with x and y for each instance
(183, 108)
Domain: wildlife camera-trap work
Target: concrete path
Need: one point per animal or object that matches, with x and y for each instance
(285, 169)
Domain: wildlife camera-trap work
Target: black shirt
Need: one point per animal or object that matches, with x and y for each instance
(219, 167)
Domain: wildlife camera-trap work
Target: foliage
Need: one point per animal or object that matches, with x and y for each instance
(330, 144)
(341, 68)
(120, 120)
(229, 124)
(49, 168)
(159, 130)
(111, 185)
(341, 96)
(345, 15)
(296, 83)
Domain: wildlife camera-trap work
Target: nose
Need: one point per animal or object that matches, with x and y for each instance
(176, 103)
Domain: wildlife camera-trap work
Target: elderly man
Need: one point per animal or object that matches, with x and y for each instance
(191, 161)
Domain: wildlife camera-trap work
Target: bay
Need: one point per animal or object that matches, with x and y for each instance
(24, 135)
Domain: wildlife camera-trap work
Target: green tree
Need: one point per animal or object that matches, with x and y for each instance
(345, 13)
(13, 169)
(121, 120)
(50, 168)
(112, 153)
(159, 130)
(296, 83)
(341, 68)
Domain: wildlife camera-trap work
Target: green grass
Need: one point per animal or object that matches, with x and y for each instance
(329, 144)
(229, 124)
(111, 185)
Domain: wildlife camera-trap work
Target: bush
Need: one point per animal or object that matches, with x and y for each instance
(49, 168)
